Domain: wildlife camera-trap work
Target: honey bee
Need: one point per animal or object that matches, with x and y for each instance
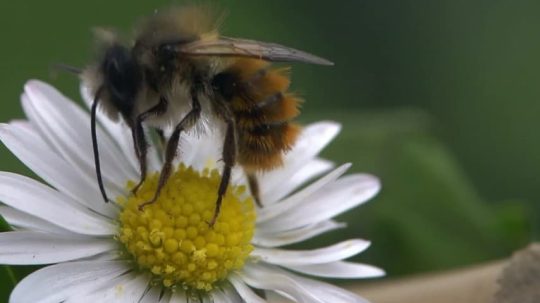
(178, 69)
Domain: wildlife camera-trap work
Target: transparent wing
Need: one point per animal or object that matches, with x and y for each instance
(233, 47)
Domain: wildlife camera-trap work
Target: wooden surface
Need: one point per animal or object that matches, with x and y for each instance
(476, 284)
(513, 280)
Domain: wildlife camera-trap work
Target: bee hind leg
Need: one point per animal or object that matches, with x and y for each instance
(229, 158)
(139, 140)
(172, 145)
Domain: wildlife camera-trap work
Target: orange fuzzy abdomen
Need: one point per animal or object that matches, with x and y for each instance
(263, 110)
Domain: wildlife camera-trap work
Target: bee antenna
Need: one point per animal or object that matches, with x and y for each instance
(95, 143)
(67, 68)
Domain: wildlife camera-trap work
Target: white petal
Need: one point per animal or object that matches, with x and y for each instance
(217, 297)
(326, 292)
(312, 140)
(202, 151)
(110, 255)
(125, 289)
(152, 295)
(244, 291)
(225, 295)
(19, 219)
(339, 269)
(272, 211)
(271, 278)
(332, 200)
(272, 239)
(67, 127)
(323, 292)
(61, 146)
(179, 297)
(57, 282)
(34, 198)
(327, 254)
(25, 143)
(231, 293)
(31, 247)
(311, 169)
(166, 297)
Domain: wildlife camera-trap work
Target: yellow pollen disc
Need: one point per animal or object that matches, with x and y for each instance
(172, 239)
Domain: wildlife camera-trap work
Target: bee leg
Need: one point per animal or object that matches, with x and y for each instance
(95, 144)
(254, 188)
(139, 141)
(172, 145)
(229, 158)
(140, 145)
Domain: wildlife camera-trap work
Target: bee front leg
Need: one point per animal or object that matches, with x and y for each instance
(172, 146)
(139, 140)
(140, 146)
(229, 159)
(93, 122)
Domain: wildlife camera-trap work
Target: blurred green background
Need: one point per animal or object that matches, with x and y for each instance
(437, 98)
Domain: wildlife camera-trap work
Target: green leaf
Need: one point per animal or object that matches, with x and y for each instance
(7, 282)
(4, 226)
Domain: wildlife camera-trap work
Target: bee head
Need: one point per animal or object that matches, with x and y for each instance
(122, 78)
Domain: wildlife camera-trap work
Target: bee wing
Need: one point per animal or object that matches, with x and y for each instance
(233, 47)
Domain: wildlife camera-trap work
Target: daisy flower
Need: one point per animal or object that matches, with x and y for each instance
(112, 252)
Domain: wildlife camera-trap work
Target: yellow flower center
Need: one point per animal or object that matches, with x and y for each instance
(172, 239)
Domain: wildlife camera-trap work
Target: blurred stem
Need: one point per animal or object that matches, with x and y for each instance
(476, 284)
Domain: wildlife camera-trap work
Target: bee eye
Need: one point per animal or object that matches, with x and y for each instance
(169, 48)
(166, 52)
(115, 61)
(112, 68)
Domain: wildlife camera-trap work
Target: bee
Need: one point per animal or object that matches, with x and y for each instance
(179, 69)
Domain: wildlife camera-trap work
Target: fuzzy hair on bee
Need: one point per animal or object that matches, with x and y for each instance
(180, 71)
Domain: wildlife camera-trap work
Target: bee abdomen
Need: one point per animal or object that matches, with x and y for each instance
(275, 108)
(262, 147)
(267, 138)
(263, 110)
